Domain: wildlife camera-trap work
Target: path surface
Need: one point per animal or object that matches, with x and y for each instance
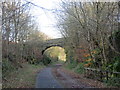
(53, 77)
(68, 81)
(45, 79)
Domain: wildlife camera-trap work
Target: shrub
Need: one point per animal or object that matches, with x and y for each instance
(46, 60)
(71, 65)
(116, 65)
(113, 82)
(7, 67)
(80, 68)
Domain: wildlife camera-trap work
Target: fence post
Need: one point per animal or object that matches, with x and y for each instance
(106, 74)
(100, 75)
(84, 72)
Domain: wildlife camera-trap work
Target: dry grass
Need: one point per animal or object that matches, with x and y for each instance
(23, 78)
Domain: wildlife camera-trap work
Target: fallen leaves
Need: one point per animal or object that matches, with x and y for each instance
(85, 81)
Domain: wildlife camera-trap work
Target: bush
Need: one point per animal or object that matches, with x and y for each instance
(7, 67)
(80, 68)
(113, 82)
(116, 65)
(32, 60)
(71, 65)
(46, 60)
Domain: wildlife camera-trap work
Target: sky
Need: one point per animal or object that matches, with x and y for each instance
(44, 18)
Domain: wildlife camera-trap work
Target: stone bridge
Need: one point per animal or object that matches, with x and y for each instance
(53, 42)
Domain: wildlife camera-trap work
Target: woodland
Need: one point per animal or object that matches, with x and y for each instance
(90, 30)
(92, 35)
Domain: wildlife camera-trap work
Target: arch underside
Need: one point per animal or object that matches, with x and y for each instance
(49, 47)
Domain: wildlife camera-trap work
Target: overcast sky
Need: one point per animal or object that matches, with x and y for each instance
(44, 18)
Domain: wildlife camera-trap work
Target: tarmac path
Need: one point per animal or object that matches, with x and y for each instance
(45, 79)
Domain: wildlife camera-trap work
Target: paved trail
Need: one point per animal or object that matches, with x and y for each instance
(45, 79)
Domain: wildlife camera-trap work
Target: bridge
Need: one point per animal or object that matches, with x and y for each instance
(53, 42)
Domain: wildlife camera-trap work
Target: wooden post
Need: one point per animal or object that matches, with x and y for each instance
(107, 75)
(100, 75)
(84, 72)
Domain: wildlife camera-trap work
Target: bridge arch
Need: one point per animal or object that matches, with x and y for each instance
(49, 47)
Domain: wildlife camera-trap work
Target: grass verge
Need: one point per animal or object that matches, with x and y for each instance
(23, 78)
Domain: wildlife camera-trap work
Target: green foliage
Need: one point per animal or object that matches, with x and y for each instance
(113, 82)
(116, 65)
(72, 65)
(46, 60)
(33, 60)
(7, 67)
(69, 55)
(80, 68)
